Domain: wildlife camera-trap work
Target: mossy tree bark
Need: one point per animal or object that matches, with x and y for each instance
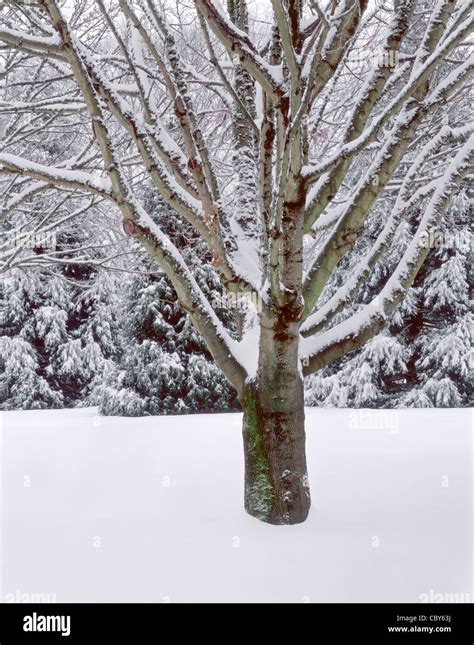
(276, 476)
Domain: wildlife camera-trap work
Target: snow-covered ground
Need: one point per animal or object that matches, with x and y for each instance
(108, 509)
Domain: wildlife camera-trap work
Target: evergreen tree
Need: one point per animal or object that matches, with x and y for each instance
(25, 338)
(424, 358)
(443, 355)
(56, 335)
(162, 366)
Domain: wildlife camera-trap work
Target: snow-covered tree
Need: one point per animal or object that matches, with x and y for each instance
(49, 350)
(162, 366)
(275, 147)
(23, 336)
(424, 356)
(442, 342)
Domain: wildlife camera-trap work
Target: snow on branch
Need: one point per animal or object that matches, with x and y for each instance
(139, 223)
(46, 106)
(55, 176)
(418, 77)
(404, 204)
(239, 44)
(320, 350)
(50, 45)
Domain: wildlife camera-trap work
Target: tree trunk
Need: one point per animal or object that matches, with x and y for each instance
(276, 477)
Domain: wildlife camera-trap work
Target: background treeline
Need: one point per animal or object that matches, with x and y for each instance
(93, 332)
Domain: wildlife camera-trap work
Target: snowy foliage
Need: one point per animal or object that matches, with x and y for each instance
(300, 155)
(426, 357)
(161, 365)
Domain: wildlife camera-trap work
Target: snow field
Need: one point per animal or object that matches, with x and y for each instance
(101, 509)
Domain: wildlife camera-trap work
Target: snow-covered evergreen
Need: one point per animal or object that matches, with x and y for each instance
(161, 365)
(28, 330)
(56, 336)
(425, 356)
